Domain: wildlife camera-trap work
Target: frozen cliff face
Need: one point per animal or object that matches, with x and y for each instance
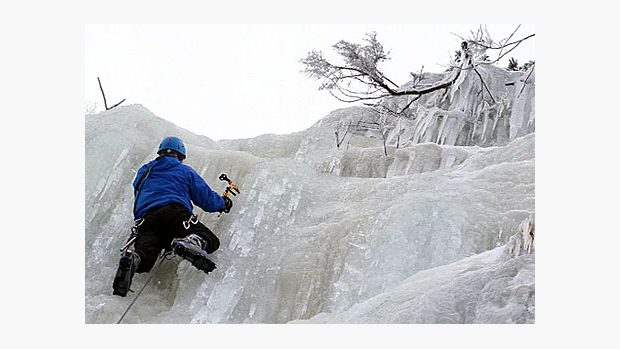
(484, 107)
(321, 233)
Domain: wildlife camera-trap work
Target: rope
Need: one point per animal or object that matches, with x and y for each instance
(162, 259)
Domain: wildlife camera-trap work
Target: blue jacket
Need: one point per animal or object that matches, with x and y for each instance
(171, 181)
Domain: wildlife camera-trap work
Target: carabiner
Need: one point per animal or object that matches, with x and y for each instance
(192, 220)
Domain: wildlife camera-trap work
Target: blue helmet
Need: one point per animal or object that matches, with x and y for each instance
(173, 143)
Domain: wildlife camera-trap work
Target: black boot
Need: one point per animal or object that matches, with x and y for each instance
(126, 268)
(191, 248)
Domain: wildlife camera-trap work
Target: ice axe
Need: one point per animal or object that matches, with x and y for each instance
(129, 242)
(231, 188)
(134, 234)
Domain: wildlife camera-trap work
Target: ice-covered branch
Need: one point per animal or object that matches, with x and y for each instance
(361, 67)
(484, 85)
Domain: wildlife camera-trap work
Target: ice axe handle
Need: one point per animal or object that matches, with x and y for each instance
(126, 246)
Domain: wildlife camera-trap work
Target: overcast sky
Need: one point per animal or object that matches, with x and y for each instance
(240, 81)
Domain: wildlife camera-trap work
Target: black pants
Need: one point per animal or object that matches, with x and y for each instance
(161, 225)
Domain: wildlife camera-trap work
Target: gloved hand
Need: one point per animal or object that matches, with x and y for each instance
(227, 204)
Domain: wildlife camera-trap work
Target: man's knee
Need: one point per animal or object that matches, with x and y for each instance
(211, 241)
(146, 261)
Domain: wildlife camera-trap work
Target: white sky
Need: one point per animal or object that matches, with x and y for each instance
(240, 81)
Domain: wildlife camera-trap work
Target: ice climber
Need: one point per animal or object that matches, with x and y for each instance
(164, 190)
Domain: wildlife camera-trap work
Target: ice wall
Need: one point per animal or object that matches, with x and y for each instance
(491, 287)
(485, 106)
(321, 233)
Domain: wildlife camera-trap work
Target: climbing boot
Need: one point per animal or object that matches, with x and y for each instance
(126, 268)
(191, 249)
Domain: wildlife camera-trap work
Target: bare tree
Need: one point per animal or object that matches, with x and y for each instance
(361, 79)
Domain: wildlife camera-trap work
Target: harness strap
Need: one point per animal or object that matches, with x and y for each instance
(140, 185)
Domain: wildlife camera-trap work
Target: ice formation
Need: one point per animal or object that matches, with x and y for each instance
(490, 106)
(321, 233)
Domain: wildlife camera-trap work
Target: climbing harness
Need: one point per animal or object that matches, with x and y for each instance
(161, 260)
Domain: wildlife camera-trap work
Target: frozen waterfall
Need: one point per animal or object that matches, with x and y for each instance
(427, 234)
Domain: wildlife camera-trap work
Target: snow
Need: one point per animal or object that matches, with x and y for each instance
(324, 234)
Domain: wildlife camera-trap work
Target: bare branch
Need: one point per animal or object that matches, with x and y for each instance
(117, 104)
(504, 45)
(510, 37)
(105, 103)
(409, 104)
(517, 43)
(485, 85)
(104, 99)
(524, 81)
(356, 99)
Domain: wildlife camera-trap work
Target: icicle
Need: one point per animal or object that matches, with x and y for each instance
(499, 236)
(527, 233)
(523, 239)
(441, 128)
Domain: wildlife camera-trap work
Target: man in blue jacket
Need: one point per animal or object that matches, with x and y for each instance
(164, 190)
